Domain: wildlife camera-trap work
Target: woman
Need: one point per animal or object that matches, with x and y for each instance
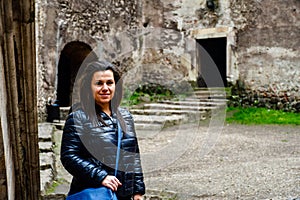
(89, 141)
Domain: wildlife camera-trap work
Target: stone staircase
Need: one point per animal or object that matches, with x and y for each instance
(47, 157)
(197, 106)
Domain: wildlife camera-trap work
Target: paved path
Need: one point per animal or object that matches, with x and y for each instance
(246, 162)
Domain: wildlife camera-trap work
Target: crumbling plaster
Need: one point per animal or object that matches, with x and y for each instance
(268, 47)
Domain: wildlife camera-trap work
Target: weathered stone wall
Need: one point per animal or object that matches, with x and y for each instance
(60, 22)
(263, 42)
(268, 49)
(193, 14)
(108, 22)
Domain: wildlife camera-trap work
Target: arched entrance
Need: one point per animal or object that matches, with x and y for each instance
(70, 61)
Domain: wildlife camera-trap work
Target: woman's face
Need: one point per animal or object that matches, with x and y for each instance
(103, 87)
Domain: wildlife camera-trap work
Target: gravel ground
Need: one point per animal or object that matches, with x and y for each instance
(242, 162)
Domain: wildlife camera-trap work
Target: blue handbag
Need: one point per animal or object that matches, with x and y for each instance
(101, 193)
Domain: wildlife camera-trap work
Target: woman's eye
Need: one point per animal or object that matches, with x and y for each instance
(110, 82)
(98, 83)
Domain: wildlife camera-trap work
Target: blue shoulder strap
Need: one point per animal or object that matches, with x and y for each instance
(119, 147)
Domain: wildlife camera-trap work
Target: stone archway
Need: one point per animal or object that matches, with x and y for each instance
(70, 61)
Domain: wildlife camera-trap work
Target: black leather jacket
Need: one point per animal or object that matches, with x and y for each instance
(89, 153)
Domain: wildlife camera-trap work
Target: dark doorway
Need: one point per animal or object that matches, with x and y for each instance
(70, 61)
(212, 62)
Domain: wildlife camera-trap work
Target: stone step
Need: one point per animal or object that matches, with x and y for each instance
(209, 96)
(46, 160)
(45, 146)
(156, 122)
(165, 112)
(194, 102)
(210, 91)
(45, 131)
(155, 119)
(189, 115)
(46, 178)
(195, 98)
(147, 126)
(47, 169)
(162, 106)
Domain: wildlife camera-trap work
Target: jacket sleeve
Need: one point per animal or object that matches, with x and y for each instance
(75, 157)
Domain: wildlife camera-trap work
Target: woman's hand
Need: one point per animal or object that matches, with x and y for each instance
(111, 182)
(138, 197)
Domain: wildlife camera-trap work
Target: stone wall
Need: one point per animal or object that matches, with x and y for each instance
(262, 39)
(60, 22)
(116, 29)
(267, 49)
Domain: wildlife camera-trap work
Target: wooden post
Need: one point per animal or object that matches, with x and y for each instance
(18, 100)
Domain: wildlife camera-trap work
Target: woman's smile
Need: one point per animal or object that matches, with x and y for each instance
(105, 95)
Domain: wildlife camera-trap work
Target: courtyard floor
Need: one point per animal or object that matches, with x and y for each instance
(241, 162)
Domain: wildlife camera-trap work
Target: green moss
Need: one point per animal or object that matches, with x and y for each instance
(51, 189)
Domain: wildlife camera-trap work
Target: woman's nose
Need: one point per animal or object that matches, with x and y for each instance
(104, 87)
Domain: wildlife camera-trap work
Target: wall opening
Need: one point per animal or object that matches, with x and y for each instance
(71, 58)
(209, 76)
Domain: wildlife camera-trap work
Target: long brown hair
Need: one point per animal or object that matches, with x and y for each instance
(87, 101)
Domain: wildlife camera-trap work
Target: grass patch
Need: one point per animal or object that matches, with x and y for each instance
(146, 93)
(261, 116)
